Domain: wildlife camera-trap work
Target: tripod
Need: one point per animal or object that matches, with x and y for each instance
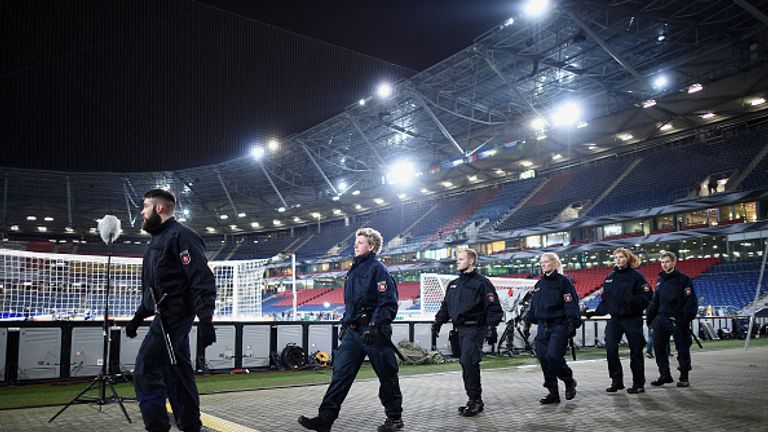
(103, 380)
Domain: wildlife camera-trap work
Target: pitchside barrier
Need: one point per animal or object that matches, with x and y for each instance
(33, 351)
(37, 285)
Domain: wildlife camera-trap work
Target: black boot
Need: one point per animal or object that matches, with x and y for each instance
(473, 408)
(570, 389)
(315, 424)
(615, 387)
(635, 389)
(551, 398)
(664, 379)
(391, 425)
(683, 381)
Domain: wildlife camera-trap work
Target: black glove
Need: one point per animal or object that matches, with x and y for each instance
(206, 335)
(571, 330)
(370, 334)
(133, 325)
(589, 314)
(342, 332)
(436, 326)
(492, 335)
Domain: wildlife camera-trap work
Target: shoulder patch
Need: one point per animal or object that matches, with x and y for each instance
(491, 298)
(688, 291)
(382, 286)
(646, 288)
(567, 298)
(185, 258)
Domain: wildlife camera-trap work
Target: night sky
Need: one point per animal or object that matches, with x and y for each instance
(150, 86)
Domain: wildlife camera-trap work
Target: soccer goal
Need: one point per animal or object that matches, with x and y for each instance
(433, 286)
(37, 285)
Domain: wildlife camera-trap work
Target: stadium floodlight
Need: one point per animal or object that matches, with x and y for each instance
(276, 222)
(695, 88)
(48, 219)
(233, 227)
(472, 178)
(255, 225)
(378, 201)
(582, 124)
(336, 212)
(356, 192)
(358, 207)
(186, 212)
(241, 215)
(31, 218)
(538, 123)
(281, 209)
(541, 137)
(649, 103)
(257, 152)
(69, 230)
(326, 305)
(210, 229)
(297, 219)
(757, 101)
(223, 217)
(666, 127)
(535, 8)
(402, 196)
(315, 215)
(361, 102)
(384, 90)
(401, 172)
(526, 163)
(273, 145)
(660, 82)
(335, 198)
(14, 227)
(424, 190)
(567, 114)
(182, 219)
(708, 115)
(447, 184)
(625, 136)
(343, 186)
(557, 156)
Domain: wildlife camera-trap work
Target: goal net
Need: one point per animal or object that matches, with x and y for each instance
(37, 285)
(433, 285)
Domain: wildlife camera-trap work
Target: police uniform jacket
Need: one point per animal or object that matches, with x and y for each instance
(370, 293)
(470, 299)
(175, 265)
(554, 299)
(626, 294)
(674, 298)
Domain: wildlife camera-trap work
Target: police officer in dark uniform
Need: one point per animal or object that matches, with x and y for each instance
(555, 309)
(472, 305)
(370, 299)
(177, 284)
(672, 309)
(625, 296)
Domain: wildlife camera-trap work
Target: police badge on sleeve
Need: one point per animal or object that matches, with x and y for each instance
(382, 286)
(185, 258)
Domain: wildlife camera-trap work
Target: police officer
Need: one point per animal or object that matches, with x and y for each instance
(473, 306)
(370, 299)
(672, 309)
(178, 284)
(555, 309)
(625, 296)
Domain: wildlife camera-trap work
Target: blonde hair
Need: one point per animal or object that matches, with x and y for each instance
(374, 238)
(634, 260)
(471, 254)
(553, 256)
(668, 254)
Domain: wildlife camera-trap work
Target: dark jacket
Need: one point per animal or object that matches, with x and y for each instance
(554, 298)
(175, 265)
(626, 294)
(371, 291)
(471, 297)
(674, 298)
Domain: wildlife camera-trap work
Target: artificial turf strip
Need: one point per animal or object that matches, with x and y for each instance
(35, 395)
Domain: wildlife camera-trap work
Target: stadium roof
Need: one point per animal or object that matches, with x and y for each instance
(466, 120)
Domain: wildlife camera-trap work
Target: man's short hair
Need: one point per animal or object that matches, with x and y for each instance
(670, 255)
(471, 254)
(374, 238)
(167, 197)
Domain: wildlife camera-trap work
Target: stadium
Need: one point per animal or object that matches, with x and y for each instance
(573, 127)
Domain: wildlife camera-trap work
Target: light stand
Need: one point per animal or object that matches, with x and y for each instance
(109, 228)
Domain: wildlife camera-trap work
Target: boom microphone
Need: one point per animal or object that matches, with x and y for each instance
(109, 228)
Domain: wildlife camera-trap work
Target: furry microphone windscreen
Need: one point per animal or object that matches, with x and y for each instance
(109, 228)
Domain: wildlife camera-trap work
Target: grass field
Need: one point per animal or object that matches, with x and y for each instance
(33, 395)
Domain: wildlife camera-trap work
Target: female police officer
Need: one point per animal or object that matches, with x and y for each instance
(370, 300)
(626, 294)
(554, 308)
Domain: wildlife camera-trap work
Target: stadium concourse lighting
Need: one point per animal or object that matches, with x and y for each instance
(694, 88)
(335, 198)
(69, 230)
(254, 225)
(447, 184)
(343, 185)
(257, 152)
(14, 227)
(757, 101)
(223, 217)
(273, 145)
(526, 163)
(538, 123)
(567, 114)
(240, 215)
(708, 115)
(336, 212)
(660, 82)
(649, 103)
(424, 190)
(281, 209)
(210, 229)
(358, 207)
(378, 201)
(625, 136)
(402, 196)
(535, 8)
(315, 215)
(384, 90)
(401, 172)
(361, 102)
(666, 126)
(31, 218)
(186, 212)
(48, 219)
(356, 192)
(276, 222)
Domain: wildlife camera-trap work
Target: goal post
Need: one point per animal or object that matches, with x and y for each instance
(35, 285)
(433, 285)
